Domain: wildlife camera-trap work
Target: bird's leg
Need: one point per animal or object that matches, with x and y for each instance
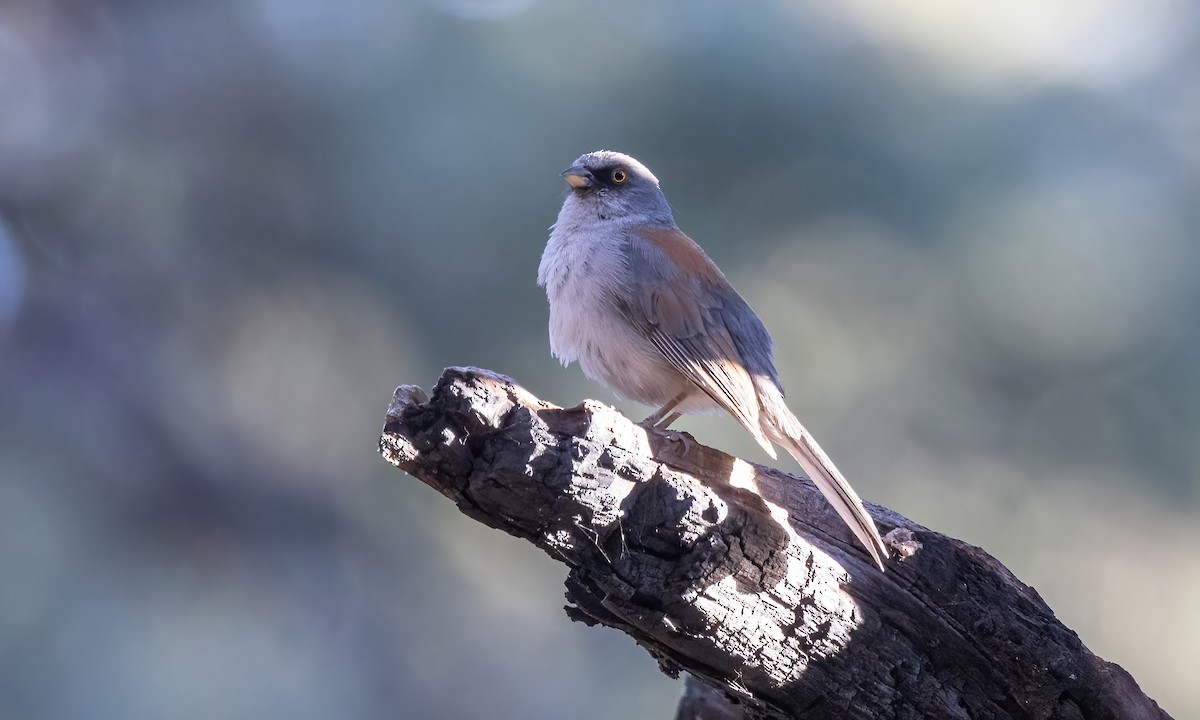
(664, 416)
(665, 412)
(666, 422)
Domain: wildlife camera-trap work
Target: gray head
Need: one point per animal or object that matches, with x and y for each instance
(616, 186)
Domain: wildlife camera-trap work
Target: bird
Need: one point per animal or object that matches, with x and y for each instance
(645, 312)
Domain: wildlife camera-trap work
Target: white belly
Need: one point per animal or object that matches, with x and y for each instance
(582, 276)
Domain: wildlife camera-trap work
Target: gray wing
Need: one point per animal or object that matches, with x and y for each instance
(680, 301)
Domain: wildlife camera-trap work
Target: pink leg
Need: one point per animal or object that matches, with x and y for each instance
(664, 416)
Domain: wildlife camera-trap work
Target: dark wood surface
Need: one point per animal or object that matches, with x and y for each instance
(742, 575)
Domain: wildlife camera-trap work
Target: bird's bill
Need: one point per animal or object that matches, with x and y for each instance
(578, 176)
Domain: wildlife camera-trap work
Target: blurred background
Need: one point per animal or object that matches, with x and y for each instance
(229, 229)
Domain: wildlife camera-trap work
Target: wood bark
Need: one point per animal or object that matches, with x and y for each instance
(742, 575)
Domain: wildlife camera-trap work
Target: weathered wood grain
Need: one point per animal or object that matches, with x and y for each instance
(742, 575)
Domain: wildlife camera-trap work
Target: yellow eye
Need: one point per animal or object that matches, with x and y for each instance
(619, 176)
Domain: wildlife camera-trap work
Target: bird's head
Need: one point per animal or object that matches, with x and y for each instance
(616, 185)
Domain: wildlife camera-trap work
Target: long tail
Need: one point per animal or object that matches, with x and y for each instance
(782, 426)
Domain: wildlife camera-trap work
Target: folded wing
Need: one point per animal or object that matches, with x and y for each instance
(679, 299)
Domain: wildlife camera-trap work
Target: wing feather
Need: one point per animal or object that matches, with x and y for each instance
(681, 296)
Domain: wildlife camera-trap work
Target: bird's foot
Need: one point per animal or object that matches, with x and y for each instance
(685, 441)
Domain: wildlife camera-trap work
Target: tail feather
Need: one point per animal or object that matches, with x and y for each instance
(821, 470)
(779, 424)
(762, 440)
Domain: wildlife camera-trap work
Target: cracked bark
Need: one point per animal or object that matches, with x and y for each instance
(742, 575)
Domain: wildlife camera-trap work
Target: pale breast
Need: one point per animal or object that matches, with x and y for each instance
(583, 272)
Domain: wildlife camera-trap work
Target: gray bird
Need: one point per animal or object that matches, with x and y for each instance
(646, 313)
